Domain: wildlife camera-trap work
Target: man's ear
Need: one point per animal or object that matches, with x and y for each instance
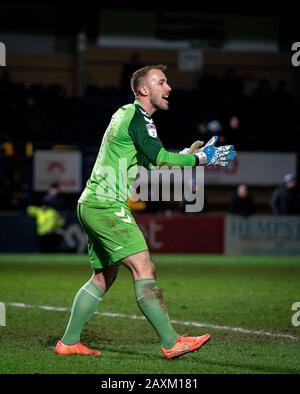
(143, 91)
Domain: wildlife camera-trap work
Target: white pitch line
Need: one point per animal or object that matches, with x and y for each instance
(185, 323)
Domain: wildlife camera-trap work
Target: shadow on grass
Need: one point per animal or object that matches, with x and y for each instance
(224, 367)
(242, 366)
(197, 360)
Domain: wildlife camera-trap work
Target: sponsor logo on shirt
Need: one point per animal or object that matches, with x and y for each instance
(151, 130)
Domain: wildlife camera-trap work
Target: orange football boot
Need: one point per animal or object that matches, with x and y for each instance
(78, 348)
(185, 345)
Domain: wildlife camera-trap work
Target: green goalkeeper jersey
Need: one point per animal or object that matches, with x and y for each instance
(130, 141)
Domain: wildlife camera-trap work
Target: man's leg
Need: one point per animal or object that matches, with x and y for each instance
(84, 306)
(152, 305)
(149, 297)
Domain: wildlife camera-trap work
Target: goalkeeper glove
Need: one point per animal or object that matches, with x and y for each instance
(209, 155)
(194, 148)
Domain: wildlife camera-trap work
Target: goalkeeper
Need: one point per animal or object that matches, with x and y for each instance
(113, 236)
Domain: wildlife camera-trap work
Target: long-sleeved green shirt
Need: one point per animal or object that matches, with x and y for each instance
(130, 141)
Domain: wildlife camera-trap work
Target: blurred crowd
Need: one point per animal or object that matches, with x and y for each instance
(246, 111)
(284, 199)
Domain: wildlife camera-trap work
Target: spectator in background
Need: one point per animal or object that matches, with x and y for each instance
(233, 130)
(285, 198)
(49, 225)
(211, 128)
(242, 202)
(53, 198)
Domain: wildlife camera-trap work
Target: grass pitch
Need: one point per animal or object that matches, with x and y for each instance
(244, 301)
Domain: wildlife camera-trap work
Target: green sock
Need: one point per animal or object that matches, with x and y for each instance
(84, 306)
(151, 303)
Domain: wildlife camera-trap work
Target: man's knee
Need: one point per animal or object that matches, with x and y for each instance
(99, 280)
(146, 272)
(150, 269)
(104, 279)
(140, 266)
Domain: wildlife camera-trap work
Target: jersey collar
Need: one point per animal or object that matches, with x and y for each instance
(139, 106)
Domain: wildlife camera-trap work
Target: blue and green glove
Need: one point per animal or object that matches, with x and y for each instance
(220, 156)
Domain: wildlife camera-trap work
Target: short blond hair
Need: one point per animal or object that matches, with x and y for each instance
(140, 74)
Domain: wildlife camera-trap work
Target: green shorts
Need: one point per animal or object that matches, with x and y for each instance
(112, 234)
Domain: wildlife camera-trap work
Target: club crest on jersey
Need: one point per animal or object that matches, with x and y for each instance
(151, 130)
